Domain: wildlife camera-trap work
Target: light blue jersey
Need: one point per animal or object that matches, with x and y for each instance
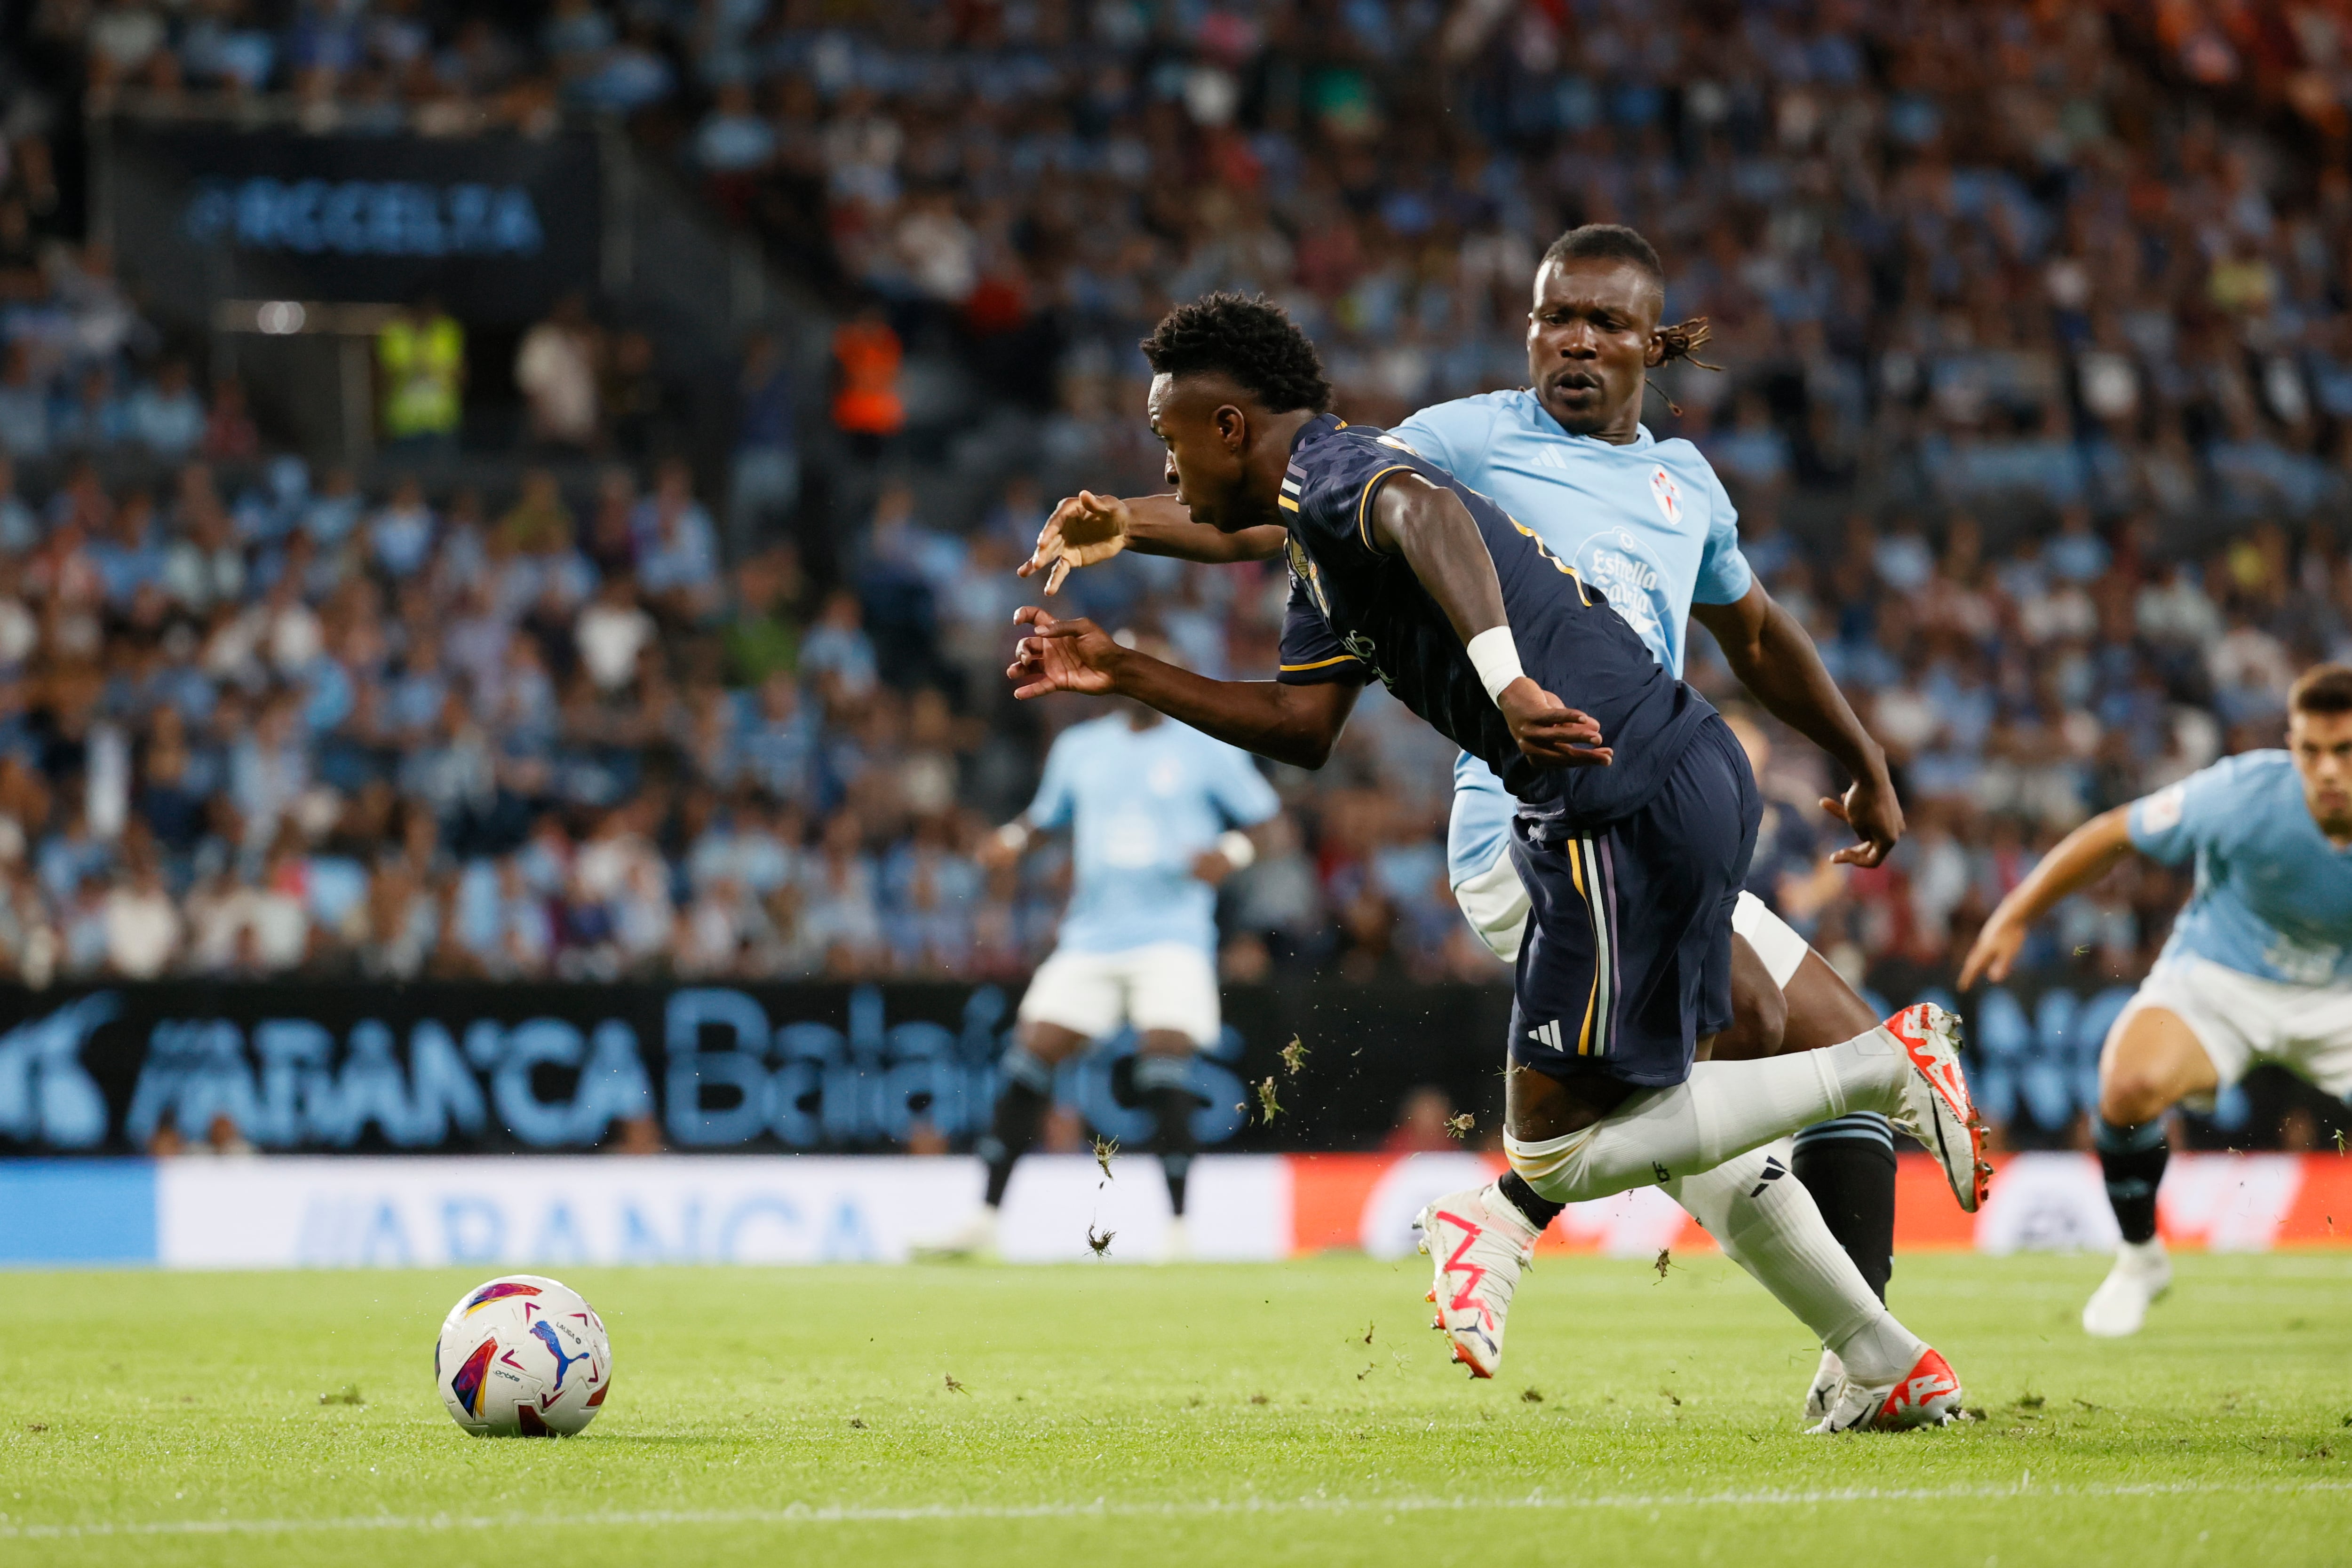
(1140, 805)
(2273, 897)
(1647, 523)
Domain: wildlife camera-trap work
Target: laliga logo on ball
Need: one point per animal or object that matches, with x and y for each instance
(523, 1356)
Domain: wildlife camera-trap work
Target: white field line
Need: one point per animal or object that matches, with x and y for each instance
(802, 1514)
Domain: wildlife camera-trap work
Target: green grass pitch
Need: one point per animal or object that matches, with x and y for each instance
(1298, 1413)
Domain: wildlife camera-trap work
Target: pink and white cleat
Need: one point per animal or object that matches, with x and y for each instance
(1936, 1109)
(1926, 1395)
(1479, 1244)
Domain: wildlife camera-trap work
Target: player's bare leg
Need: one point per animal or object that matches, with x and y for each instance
(1023, 1097)
(1759, 1013)
(1160, 1082)
(2151, 1061)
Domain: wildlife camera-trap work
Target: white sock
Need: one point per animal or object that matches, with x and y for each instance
(1722, 1109)
(1765, 1221)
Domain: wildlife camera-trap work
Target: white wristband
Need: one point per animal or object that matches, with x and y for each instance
(1013, 836)
(1496, 658)
(1235, 846)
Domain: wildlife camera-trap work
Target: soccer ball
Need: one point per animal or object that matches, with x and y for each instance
(522, 1356)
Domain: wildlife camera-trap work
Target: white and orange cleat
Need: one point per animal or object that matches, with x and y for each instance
(1478, 1243)
(1936, 1109)
(1926, 1395)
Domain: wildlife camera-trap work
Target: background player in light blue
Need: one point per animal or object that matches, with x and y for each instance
(2258, 967)
(1156, 812)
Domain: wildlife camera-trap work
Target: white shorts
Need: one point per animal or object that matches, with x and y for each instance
(1495, 905)
(1167, 986)
(2241, 1020)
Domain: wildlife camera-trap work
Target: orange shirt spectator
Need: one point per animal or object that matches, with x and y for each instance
(867, 355)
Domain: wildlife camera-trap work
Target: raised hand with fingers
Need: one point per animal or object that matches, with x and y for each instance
(1073, 655)
(1994, 951)
(1870, 808)
(1085, 529)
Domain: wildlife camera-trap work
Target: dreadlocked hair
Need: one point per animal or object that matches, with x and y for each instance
(1681, 341)
(1247, 338)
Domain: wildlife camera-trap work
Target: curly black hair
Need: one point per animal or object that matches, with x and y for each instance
(1248, 339)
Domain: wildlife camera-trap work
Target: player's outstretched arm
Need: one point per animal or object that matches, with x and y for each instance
(1774, 657)
(1434, 532)
(2082, 858)
(1087, 529)
(1297, 725)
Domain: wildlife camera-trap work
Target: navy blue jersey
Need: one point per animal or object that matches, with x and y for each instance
(1357, 612)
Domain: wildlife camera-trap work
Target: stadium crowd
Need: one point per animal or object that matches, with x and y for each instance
(295, 725)
(1969, 271)
(2082, 252)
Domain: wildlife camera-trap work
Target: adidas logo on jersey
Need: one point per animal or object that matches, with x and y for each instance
(1547, 1034)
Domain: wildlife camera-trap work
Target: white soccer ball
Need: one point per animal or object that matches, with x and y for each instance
(522, 1356)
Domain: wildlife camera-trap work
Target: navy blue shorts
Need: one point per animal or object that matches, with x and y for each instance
(1627, 960)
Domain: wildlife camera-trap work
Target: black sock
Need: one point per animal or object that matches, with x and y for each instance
(1176, 1169)
(2132, 1159)
(1848, 1165)
(1160, 1083)
(1020, 1107)
(1540, 1210)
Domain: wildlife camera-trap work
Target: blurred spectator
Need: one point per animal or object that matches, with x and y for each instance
(420, 358)
(557, 369)
(400, 535)
(866, 404)
(835, 652)
(732, 138)
(166, 416)
(766, 482)
(142, 925)
(230, 434)
(636, 400)
(23, 406)
(613, 633)
(676, 548)
(762, 638)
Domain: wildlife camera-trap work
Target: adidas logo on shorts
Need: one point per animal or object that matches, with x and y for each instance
(1547, 1034)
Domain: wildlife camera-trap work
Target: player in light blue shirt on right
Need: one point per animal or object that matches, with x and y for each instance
(2258, 967)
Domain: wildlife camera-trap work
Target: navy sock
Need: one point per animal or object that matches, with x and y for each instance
(1160, 1082)
(1020, 1114)
(2133, 1160)
(1848, 1165)
(1540, 1210)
